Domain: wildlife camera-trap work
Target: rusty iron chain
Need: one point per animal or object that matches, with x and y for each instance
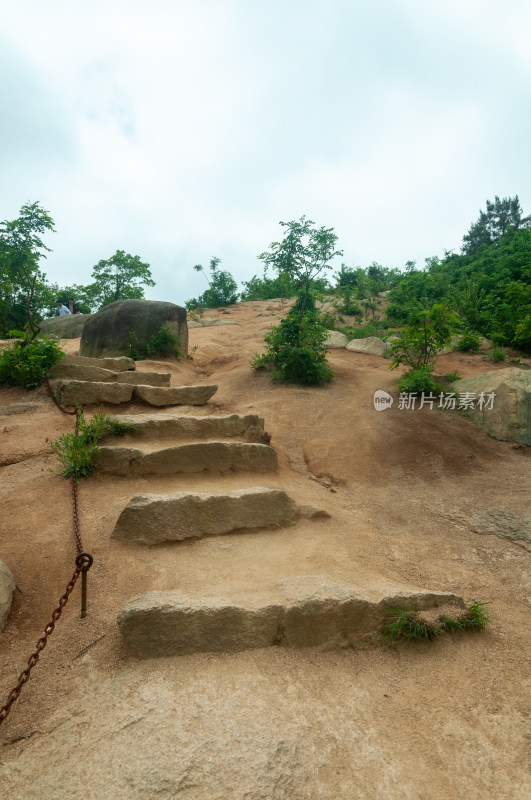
(83, 563)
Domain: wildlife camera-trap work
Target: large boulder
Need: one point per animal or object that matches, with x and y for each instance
(509, 418)
(7, 586)
(111, 331)
(70, 326)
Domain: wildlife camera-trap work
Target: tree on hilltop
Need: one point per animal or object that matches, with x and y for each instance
(119, 278)
(499, 217)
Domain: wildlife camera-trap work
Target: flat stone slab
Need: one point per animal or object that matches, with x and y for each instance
(154, 518)
(175, 395)
(118, 364)
(188, 458)
(158, 426)
(315, 613)
(90, 392)
(84, 372)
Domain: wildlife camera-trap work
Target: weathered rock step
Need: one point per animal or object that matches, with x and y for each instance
(154, 518)
(162, 426)
(325, 615)
(91, 392)
(80, 372)
(118, 364)
(188, 458)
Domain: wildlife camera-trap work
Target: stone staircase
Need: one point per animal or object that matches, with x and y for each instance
(297, 612)
(78, 379)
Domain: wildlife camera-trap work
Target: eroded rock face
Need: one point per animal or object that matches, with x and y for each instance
(154, 518)
(7, 587)
(509, 418)
(310, 611)
(110, 331)
(372, 345)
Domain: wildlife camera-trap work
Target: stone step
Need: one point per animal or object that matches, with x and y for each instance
(119, 364)
(179, 427)
(188, 458)
(154, 518)
(80, 372)
(315, 613)
(71, 392)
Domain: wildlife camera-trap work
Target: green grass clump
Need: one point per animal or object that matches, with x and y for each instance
(410, 626)
(498, 354)
(77, 451)
(164, 343)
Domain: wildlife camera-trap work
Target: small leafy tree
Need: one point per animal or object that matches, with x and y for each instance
(120, 277)
(304, 253)
(222, 288)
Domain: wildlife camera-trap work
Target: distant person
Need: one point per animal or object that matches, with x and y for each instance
(74, 308)
(62, 310)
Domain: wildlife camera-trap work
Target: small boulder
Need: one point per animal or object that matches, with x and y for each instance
(7, 587)
(113, 329)
(509, 418)
(335, 339)
(371, 345)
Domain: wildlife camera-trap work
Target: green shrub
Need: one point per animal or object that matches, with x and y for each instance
(77, 452)
(468, 342)
(362, 331)
(296, 349)
(164, 343)
(498, 354)
(416, 381)
(26, 363)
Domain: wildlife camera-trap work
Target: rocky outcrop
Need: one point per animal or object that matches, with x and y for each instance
(69, 326)
(154, 518)
(113, 329)
(371, 345)
(509, 418)
(7, 587)
(308, 612)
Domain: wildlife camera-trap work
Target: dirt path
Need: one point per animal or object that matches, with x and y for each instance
(410, 494)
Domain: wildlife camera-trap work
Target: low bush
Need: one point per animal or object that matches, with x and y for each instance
(416, 381)
(468, 342)
(296, 349)
(26, 362)
(498, 354)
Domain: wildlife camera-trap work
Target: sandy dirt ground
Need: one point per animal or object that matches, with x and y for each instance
(405, 490)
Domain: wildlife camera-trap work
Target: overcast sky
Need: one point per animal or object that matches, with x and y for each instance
(177, 130)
